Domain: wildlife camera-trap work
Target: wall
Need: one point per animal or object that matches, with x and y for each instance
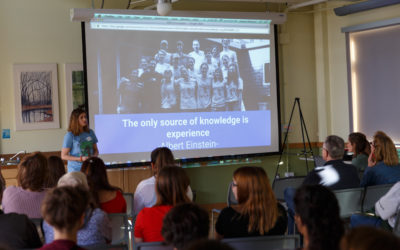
(331, 67)
(37, 31)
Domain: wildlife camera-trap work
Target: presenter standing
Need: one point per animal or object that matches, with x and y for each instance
(80, 142)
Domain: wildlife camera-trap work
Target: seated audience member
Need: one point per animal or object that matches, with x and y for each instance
(17, 231)
(335, 174)
(56, 169)
(28, 196)
(185, 224)
(64, 209)
(107, 197)
(383, 162)
(145, 194)
(171, 187)
(317, 217)
(359, 146)
(369, 238)
(96, 228)
(258, 211)
(386, 209)
(209, 245)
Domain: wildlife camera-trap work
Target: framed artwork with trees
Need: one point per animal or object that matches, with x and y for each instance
(36, 96)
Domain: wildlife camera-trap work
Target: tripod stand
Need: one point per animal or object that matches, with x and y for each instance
(303, 131)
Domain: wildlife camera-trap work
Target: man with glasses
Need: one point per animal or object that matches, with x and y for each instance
(334, 174)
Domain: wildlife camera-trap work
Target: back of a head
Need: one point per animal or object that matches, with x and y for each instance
(33, 172)
(369, 238)
(161, 157)
(256, 197)
(96, 174)
(63, 207)
(318, 210)
(335, 146)
(73, 179)
(185, 224)
(209, 245)
(360, 143)
(385, 150)
(56, 170)
(171, 186)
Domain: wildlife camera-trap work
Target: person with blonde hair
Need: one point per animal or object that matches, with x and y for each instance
(258, 211)
(96, 227)
(32, 178)
(383, 162)
(80, 142)
(171, 188)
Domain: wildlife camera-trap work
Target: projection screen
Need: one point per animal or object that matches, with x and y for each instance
(201, 86)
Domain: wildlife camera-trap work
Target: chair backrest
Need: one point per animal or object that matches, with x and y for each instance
(152, 246)
(38, 223)
(231, 200)
(373, 194)
(350, 201)
(264, 242)
(129, 204)
(282, 183)
(107, 247)
(119, 227)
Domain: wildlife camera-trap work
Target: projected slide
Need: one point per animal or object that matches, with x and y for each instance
(201, 86)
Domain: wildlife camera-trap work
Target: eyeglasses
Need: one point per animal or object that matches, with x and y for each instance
(234, 184)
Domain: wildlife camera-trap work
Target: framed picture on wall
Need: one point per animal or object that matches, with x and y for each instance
(74, 82)
(36, 96)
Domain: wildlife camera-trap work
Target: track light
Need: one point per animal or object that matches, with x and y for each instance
(164, 7)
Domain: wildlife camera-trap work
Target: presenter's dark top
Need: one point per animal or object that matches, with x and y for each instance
(335, 175)
(17, 231)
(231, 224)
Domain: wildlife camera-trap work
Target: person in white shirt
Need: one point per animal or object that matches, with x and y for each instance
(145, 194)
(198, 56)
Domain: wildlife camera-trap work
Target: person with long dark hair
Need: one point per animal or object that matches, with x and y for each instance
(56, 169)
(234, 88)
(80, 142)
(171, 188)
(258, 211)
(359, 146)
(317, 218)
(107, 197)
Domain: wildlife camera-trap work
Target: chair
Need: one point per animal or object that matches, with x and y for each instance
(129, 204)
(107, 247)
(350, 201)
(152, 246)
(372, 194)
(264, 242)
(120, 229)
(230, 200)
(38, 223)
(281, 184)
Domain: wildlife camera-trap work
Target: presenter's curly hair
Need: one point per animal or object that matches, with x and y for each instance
(385, 149)
(161, 157)
(185, 224)
(256, 198)
(360, 144)
(171, 186)
(318, 210)
(74, 126)
(33, 172)
(63, 207)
